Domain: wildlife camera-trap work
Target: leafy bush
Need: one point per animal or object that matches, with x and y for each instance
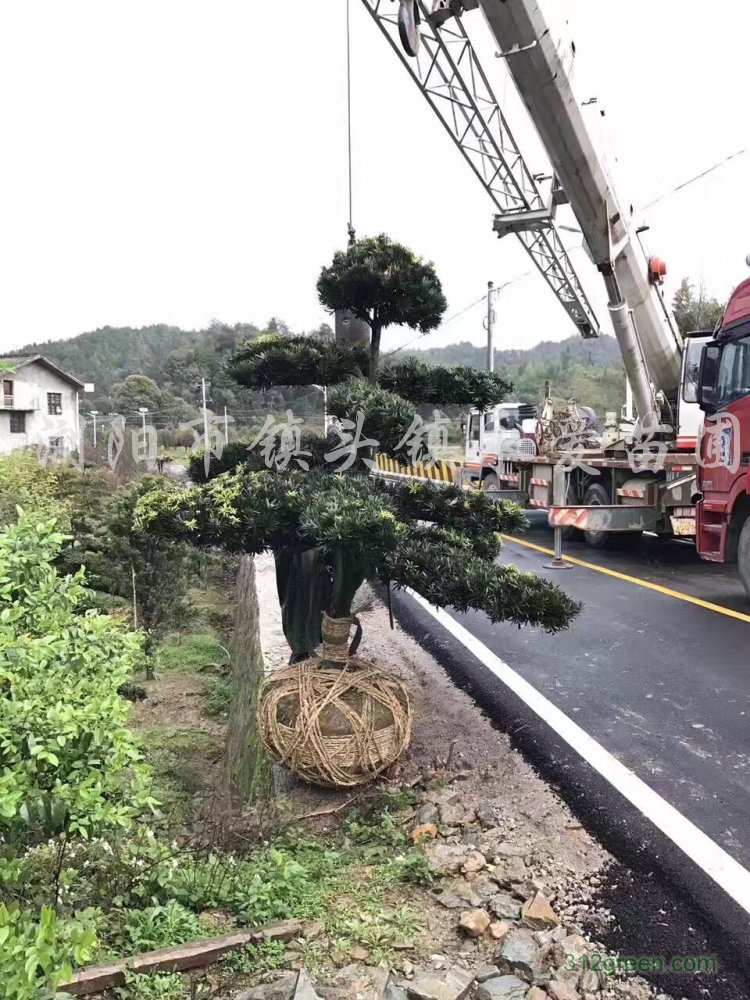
(26, 483)
(269, 885)
(38, 952)
(67, 760)
(154, 927)
(413, 868)
(162, 571)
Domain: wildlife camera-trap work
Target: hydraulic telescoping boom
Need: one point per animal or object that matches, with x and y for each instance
(646, 331)
(450, 76)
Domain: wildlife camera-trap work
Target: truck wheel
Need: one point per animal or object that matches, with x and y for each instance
(597, 496)
(743, 556)
(491, 482)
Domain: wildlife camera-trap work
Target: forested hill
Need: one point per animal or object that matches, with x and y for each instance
(164, 353)
(161, 366)
(597, 351)
(171, 362)
(589, 371)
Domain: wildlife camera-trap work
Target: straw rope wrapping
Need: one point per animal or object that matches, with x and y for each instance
(336, 644)
(336, 727)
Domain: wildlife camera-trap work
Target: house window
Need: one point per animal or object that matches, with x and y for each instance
(7, 392)
(18, 423)
(54, 403)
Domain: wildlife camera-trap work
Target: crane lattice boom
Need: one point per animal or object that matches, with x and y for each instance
(451, 78)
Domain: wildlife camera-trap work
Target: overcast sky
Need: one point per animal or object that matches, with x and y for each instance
(176, 161)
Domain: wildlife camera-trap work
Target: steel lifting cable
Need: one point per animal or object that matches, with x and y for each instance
(349, 114)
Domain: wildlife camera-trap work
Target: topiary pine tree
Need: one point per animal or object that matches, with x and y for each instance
(330, 530)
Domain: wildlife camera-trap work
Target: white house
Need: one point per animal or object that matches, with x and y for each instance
(38, 406)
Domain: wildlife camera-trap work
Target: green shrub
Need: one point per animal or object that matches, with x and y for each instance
(67, 760)
(154, 927)
(269, 885)
(41, 952)
(26, 483)
(167, 986)
(413, 868)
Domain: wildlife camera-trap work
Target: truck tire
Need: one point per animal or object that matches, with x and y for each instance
(491, 482)
(743, 556)
(597, 496)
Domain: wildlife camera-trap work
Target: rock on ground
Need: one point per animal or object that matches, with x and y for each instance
(503, 988)
(504, 906)
(538, 914)
(280, 989)
(474, 923)
(305, 989)
(454, 984)
(558, 989)
(520, 955)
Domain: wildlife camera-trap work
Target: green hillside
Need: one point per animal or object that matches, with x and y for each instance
(172, 361)
(589, 371)
(175, 360)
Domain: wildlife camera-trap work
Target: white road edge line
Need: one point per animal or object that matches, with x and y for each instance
(704, 852)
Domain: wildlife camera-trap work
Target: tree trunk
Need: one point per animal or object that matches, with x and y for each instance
(375, 348)
(248, 768)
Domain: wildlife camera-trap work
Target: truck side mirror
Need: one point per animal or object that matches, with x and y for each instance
(708, 377)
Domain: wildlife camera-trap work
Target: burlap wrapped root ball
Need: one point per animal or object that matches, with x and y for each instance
(335, 726)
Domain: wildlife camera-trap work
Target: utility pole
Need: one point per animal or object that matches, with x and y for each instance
(94, 414)
(226, 426)
(143, 410)
(324, 391)
(490, 326)
(206, 445)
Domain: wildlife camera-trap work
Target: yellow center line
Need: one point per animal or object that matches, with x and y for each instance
(633, 579)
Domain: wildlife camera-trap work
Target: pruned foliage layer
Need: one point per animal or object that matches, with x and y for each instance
(448, 560)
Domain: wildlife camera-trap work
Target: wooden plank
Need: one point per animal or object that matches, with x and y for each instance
(193, 955)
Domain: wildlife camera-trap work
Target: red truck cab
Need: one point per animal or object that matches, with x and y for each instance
(723, 509)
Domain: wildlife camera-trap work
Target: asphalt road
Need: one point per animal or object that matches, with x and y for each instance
(662, 683)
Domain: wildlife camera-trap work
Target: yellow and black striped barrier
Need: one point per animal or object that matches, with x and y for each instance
(442, 472)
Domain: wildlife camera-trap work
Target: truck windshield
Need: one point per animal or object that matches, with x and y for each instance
(734, 372)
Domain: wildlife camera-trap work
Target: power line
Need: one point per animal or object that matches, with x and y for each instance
(692, 180)
(471, 305)
(442, 326)
(349, 111)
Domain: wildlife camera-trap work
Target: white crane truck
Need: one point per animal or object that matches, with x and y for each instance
(552, 460)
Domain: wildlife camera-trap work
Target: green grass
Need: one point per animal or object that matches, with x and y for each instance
(218, 695)
(190, 653)
(179, 759)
